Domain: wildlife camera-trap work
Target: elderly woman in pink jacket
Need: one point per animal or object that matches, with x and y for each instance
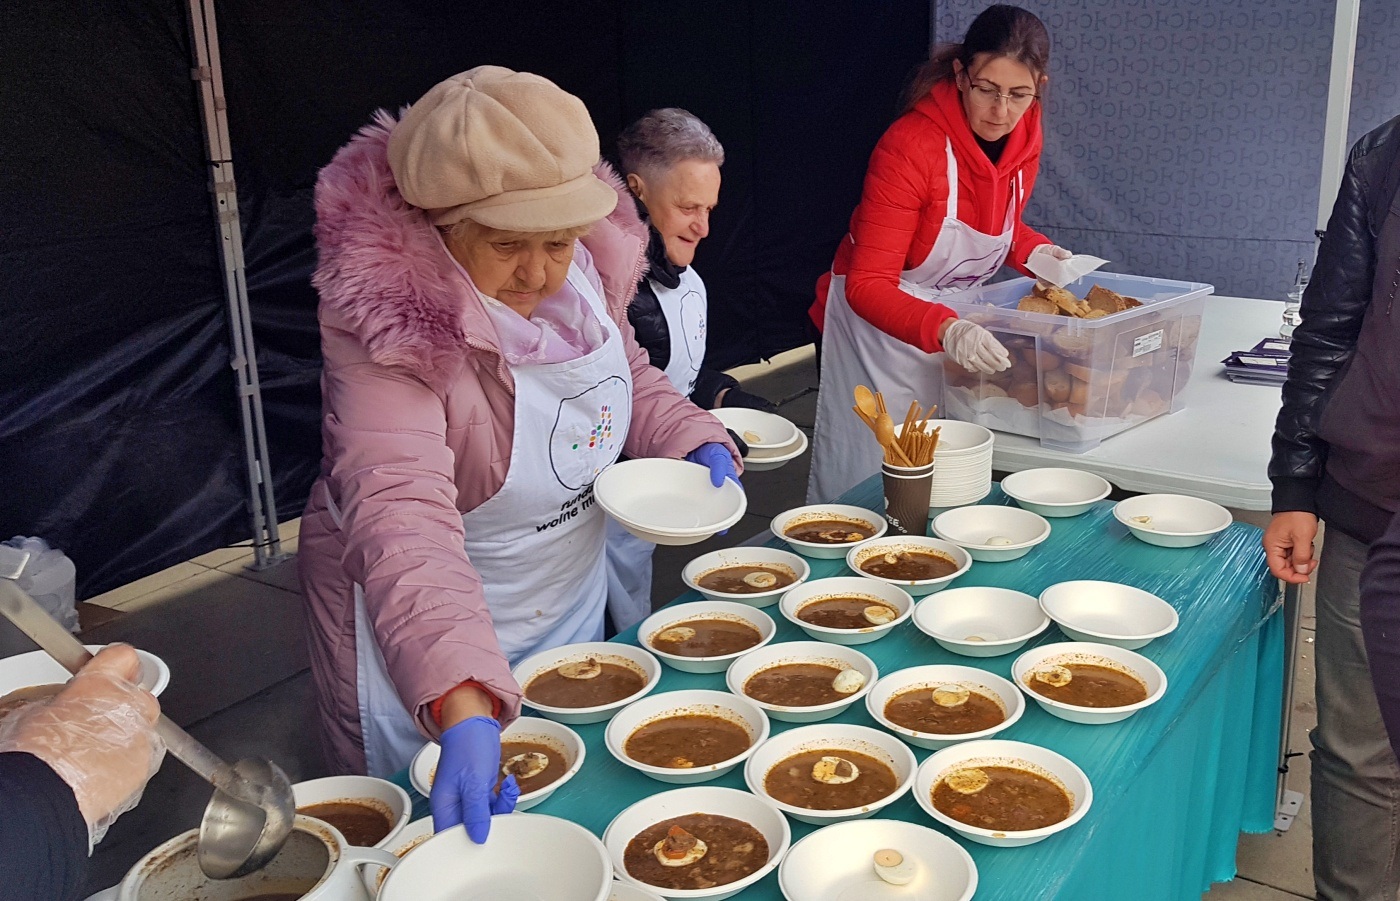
(476, 262)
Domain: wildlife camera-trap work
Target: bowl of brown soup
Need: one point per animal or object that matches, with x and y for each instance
(846, 609)
(919, 565)
(687, 736)
(1084, 682)
(541, 754)
(715, 842)
(1002, 793)
(586, 682)
(756, 576)
(827, 531)
(705, 636)
(368, 812)
(939, 705)
(831, 772)
(802, 681)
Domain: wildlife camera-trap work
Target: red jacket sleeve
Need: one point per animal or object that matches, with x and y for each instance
(903, 185)
(1024, 239)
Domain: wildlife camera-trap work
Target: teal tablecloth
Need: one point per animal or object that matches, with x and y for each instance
(1174, 785)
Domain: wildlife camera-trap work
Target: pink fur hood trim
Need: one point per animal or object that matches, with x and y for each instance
(382, 275)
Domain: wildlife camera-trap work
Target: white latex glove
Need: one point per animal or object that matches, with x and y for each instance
(973, 347)
(97, 733)
(1054, 251)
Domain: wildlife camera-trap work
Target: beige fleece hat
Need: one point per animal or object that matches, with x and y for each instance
(510, 150)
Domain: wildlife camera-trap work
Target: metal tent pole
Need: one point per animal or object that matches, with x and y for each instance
(262, 508)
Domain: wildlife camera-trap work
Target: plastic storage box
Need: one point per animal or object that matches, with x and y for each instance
(1074, 382)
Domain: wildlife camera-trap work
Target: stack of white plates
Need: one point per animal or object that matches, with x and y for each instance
(962, 470)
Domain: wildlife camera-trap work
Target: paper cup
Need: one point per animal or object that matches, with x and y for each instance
(907, 491)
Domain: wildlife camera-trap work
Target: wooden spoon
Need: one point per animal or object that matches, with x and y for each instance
(884, 433)
(865, 400)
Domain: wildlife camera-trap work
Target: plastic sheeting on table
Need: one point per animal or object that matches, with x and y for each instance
(1174, 785)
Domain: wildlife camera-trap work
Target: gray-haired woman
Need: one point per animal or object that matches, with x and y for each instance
(671, 161)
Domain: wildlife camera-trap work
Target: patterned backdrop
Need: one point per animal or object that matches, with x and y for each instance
(1183, 139)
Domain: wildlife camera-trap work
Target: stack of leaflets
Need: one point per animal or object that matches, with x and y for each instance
(1265, 364)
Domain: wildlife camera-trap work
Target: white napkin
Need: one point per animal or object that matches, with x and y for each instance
(1061, 272)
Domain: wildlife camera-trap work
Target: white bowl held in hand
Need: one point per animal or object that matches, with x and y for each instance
(992, 533)
(836, 863)
(527, 855)
(927, 678)
(409, 838)
(877, 592)
(766, 434)
(998, 752)
(645, 664)
(857, 519)
(778, 459)
(681, 614)
(838, 737)
(1172, 520)
(687, 702)
(819, 652)
(782, 561)
(38, 668)
(667, 501)
(1108, 612)
(724, 802)
(862, 552)
(1056, 492)
(1067, 652)
(980, 621)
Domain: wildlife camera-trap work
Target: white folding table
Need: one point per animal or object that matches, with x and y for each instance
(1217, 448)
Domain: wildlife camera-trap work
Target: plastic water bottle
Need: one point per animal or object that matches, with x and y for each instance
(1293, 309)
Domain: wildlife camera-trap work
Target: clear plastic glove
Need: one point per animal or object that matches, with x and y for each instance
(97, 733)
(974, 348)
(464, 789)
(718, 459)
(1054, 250)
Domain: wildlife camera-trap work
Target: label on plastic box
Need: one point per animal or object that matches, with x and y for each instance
(1145, 344)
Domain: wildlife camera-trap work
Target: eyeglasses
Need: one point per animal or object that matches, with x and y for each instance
(986, 96)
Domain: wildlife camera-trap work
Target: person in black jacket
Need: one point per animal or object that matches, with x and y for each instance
(70, 764)
(1336, 456)
(671, 162)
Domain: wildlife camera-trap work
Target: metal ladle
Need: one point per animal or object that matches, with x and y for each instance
(252, 811)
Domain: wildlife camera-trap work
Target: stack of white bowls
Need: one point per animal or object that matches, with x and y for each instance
(962, 464)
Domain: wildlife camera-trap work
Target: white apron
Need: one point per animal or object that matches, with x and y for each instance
(854, 352)
(537, 543)
(629, 557)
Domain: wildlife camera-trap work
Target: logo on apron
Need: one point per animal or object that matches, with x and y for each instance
(588, 433)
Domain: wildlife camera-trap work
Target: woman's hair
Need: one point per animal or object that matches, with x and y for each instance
(664, 137)
(1000, 30)
(470, 229)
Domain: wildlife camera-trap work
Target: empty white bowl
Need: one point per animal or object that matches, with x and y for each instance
(692, 701)
(560, 738)
(992, 533)
(772, 434)
(836, 863)
(1056, 492)
(622, 891)
(605, 652)
(1087, 652)
(1108, 612)
(919, 678)
(820, 652)
(980, 621)
(846, 586)
(868, 522)
(1172, 520)
(838, 736)
(725, 802)
(679, 614)
(903, 543)
(38, 668)
(668, 501)
(779, 458)
(998, 752)
(527, 855)
(409, 838)
(746, 556)
(377, 794)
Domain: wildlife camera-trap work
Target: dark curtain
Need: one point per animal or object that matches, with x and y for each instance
(119, 430)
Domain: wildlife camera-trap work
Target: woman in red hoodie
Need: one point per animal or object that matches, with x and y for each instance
(940, 213)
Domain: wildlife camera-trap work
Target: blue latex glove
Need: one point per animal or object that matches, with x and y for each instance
(464, 789)
(717, 457)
